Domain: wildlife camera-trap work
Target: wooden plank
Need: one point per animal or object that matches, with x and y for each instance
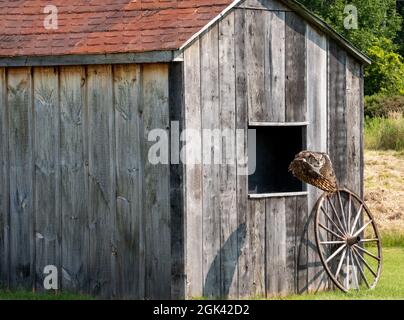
(90, 59)
(228, 169)
(212, 153)
(270, 5)
(301, 245)
(241, 139)
(252, 259)
(354, 115)
(178, 240)
(337, 111)
(278, 124)
(316, 140)
(156, 190)
(291, 249)
(22, 243)
(101, 175)
(295, 49)
(277, 195)
(275, 247)
(255, 60)
(362, 124)
(74, 182)
(275, 66)
(4, 184)
(128, 140)
(47, 174)
(193, 172)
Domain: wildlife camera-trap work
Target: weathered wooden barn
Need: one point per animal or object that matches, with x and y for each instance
(77, 103)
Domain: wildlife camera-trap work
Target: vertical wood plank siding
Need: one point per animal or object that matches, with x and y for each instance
(77, 190)
(284, 71)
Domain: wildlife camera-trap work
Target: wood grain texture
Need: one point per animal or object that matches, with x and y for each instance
(270, 5)
(101, 175)
(156, 190)
(276, 283)
(316, 140)
(255, 60)
(4, 185)
(241, 139)
(252, 258)
(212, 154)
(274, 66)
(177, 190)
(337, 130)
(129, 170)
(47, 173)
(295, 50)
(354, 128)
(228, 170)
(193, 172)
(74, 179)
(20, 120)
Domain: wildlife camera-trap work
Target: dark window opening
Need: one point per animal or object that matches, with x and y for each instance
(276, 147)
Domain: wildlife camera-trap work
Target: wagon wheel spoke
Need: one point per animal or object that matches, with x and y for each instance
(349, 212)
(353, 264)
(330, 231)
(364, 261)
(347, 271)
(336, 214)
(342, 210)
(332, 221)
(363, 228)
(356, 219)
(332, 242)
(330, 258)
(341, 262)
(367, 252)
(360, 269)
(368, 240)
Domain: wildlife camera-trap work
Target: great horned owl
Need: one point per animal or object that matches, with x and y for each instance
(315, 168)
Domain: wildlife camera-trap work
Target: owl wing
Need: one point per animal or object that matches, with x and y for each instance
(327, 171)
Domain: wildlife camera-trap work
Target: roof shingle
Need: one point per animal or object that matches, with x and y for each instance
(102, 26)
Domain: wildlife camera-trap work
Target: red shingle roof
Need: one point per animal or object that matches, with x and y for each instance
(102, 26)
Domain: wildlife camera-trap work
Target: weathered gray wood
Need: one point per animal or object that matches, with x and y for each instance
(276, 247)
(22, 243)
(301, 272)
(362, 124)
(241, 139)
(90, 59)
(316, 140)
(337, 129)
(178, 262)
(212, 154)
(156, 190)
(4, 184)
(228, 170)
(128, 140)
(74, 179)
(252, 258)
(193, 172)
(275, 66)
(295, 49)
(47, 174)
(291, 249)
(255, 60)
(101, 176)
(270, 5)
(354, 129)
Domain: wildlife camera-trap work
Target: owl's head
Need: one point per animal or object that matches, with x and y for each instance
(314, 159)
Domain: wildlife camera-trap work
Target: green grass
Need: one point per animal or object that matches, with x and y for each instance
(384, 133)
(392, 239)
(390, 286)
(26, 295)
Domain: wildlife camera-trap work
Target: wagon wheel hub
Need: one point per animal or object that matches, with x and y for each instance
(351, 241)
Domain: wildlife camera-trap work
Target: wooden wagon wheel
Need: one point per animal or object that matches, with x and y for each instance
(348, 241)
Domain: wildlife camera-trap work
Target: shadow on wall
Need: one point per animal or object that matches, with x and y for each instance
(231, 251)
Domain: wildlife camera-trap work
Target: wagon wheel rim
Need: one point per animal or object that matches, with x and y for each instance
(344, 229)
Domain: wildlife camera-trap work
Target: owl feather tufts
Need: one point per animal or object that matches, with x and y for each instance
(315, 168)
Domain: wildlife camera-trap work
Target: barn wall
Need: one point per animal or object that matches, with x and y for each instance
(77, 190)
(263, 63)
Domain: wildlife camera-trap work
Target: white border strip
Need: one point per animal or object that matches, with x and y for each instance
(277, 195)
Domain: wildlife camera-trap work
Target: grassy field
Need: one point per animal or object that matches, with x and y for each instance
(25, 295)
(390, 287)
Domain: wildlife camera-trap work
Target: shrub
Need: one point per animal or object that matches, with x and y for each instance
(385, 133)
(382, 106)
